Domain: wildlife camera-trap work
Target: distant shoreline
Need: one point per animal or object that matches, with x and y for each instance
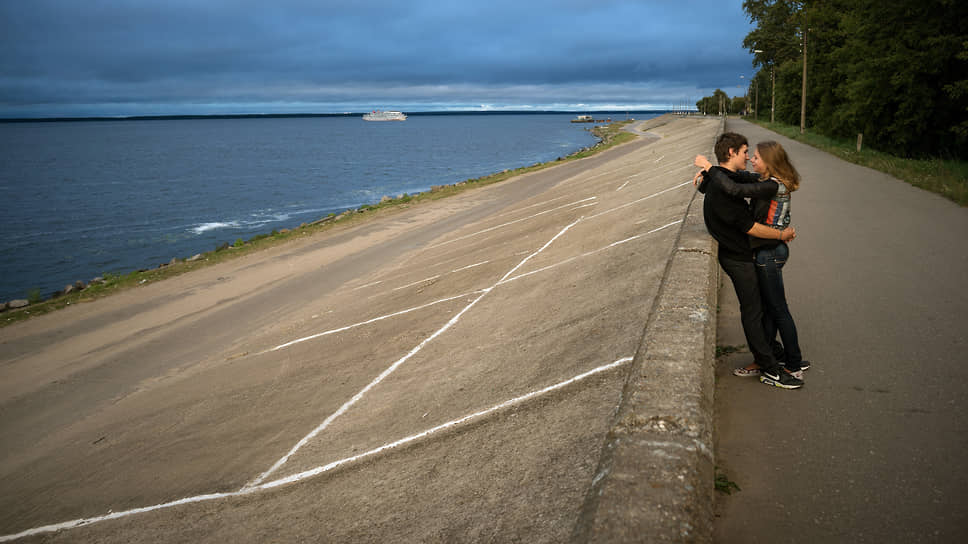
(614, 113)
(81, 291)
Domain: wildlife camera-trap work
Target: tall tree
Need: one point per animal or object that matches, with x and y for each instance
(898, 59)
(717, 104)
(776, 37)
(896, 70)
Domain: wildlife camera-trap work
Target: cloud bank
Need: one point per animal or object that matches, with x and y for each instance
(130, 57)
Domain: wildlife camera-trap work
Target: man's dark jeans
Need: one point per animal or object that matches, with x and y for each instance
(743, 276)
(769, 272)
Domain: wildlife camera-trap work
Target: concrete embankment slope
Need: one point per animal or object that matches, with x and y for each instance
(448, 372)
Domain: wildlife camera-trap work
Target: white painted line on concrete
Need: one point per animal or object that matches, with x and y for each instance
(652, 220)
(401, 312)
(114, 515)
(438, 276)
(73, 524)
(389, 370)
(589, 178)
(660, 158)
(469, 266)
(665, 171)
(590, 253)
(367, 285)
(652, 174)
(359, 395)
(636, 201)
(464, 295)
(415, 283)
(502, 225)
(516, 210)
(444, 426)
(368, 321)
(529, 257)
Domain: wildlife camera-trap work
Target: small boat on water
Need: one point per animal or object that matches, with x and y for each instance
(378, 115)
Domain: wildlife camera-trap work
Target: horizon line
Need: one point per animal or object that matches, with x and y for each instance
(307, 114)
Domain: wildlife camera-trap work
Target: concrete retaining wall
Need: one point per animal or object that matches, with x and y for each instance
(655, 480)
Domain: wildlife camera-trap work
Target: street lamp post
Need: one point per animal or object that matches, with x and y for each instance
(756, 99)
(803, 91)
(746, 96)
(773, 91)
(772, 87)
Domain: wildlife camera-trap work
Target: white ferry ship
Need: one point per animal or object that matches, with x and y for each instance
(378, 115)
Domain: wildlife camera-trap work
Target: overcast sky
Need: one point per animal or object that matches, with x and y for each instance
(150, 57)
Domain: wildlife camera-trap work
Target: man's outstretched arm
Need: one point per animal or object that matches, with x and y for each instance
(759, 230)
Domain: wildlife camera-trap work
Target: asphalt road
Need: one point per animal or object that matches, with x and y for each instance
(439, 373)
(873, 448)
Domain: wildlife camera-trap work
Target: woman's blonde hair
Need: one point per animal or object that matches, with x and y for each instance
(778, 164)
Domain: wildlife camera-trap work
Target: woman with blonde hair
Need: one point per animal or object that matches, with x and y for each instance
(773, 165)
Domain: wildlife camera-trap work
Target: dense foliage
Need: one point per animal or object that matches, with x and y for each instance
(894, 70)
(718, 103)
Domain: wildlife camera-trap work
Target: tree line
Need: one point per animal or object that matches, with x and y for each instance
(894, 70)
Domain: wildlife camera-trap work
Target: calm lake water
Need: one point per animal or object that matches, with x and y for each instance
(85, 198)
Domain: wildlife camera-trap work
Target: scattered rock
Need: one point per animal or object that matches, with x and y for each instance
(68, 289)
(79, 285)
(195, 257)
(173, 261)
(19, 303)
(385, 199)
(98, 280)
(3, 307)
(284, 231)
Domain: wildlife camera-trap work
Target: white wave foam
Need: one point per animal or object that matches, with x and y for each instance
(205, 227)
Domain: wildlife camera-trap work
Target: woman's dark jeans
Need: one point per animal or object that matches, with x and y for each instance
(769, 273)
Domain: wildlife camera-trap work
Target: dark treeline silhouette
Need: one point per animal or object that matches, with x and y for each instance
(894, 70)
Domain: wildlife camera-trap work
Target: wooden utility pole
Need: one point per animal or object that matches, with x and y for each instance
(803, 92)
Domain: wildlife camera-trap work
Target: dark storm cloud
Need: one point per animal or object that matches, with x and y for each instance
(55, 55)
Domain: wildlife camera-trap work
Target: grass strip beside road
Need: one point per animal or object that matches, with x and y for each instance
(610, 135)
(946, 177)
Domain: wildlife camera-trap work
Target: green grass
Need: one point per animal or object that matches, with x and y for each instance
(724, 484)
(948, 178)
(726, 350)
(610, 136)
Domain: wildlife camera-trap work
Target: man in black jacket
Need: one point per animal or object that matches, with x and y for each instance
(729, 221)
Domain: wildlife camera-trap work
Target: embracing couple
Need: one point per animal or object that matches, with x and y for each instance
(753, 248)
